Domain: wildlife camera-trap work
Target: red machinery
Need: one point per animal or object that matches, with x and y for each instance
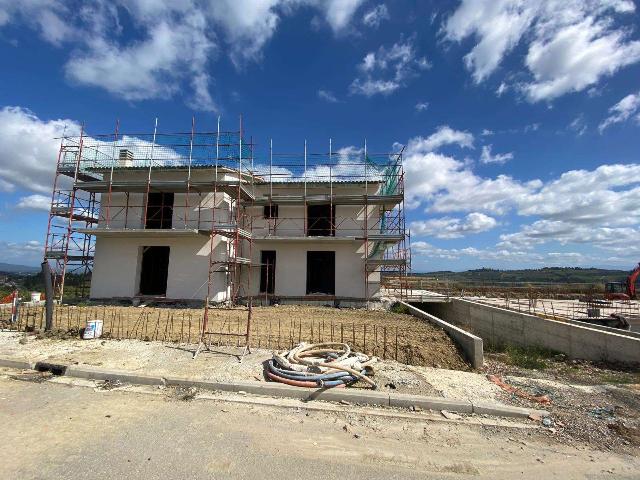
(623, 290)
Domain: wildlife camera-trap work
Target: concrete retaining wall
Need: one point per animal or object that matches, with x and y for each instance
(496, 325)
(626, 333)
(470, 344)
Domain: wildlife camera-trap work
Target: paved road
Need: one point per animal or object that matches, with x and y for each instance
(53, 431)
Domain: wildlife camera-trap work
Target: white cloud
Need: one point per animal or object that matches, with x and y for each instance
(374, 17)
(503, 87)
(622, 111)
(35, 202)
(571, 44)
(614, 239)
(579, 125)
(607, 195)
(385, 71)
(172, 51)
(427, 250)
(510, 257)
(422, 106)
(589, 207)
(44, 16)
(172, 45)
(576, 57)
(29, 149)
(596, 209)
(338, 13)
(444, 135)
(21, 252)
(449, 185)
(327, 96)
(486, 132)
(487, 157)
(447, 227)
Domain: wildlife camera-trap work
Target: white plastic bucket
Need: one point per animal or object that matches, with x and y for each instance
(35, 297)
(93, 329)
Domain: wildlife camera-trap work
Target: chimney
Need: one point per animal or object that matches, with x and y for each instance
(126, 158)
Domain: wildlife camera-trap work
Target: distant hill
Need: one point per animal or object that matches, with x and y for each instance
(540, 275)
(11, 268)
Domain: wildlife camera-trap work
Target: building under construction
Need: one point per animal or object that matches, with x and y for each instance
(195, 216)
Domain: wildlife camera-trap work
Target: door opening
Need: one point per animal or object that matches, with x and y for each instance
(267, 271)
(321, 220)
(321, 273)
(159, 210)
(154, 270)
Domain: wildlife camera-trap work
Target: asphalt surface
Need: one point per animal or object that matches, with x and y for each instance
(53, 431)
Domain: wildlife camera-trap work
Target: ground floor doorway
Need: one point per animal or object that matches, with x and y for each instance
(154, 270)
(267, 271)
(321, 273)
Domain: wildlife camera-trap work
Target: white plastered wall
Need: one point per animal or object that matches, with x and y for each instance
(116, 272)
(349, 219)
(291, 268)
(191, 210)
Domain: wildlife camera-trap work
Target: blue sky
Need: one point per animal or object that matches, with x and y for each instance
(521, 120)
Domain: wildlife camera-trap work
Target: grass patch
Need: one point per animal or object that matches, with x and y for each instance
(533, 358)
(620, 378)
(400, 308)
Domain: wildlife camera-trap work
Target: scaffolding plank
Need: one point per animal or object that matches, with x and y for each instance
(382, 237)
(384, 262)
(65, 212)
(388, 201)
(232, 188)
(301, 238)
(141, 232)
(60, 254)
(225, 230)
(82, 176)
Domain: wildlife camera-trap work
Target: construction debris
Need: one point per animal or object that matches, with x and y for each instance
(322, 365)
(516, 391)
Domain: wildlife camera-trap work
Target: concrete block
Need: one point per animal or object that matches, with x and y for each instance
(498, 410)
(16, 363)
(431, 403)
(124, 377)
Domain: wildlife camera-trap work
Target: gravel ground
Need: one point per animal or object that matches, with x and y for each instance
(594, 404)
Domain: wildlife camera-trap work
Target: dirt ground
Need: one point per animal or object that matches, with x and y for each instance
(381, 333)
(590, 404)
(53, 430)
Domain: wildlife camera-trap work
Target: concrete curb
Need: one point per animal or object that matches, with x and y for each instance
(124, 377)
(353, 396)
(17, 363)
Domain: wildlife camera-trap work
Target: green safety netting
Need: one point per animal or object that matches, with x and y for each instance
(391, 175)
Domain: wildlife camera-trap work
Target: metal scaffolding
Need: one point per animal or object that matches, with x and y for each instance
(373, 183)
(115, 185)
